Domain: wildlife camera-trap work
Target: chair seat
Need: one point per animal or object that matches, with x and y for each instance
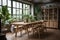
(4, 30)
(18, 27)
(35, 27)
(15, 27)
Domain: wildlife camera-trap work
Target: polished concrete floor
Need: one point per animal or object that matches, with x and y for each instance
(51, 34)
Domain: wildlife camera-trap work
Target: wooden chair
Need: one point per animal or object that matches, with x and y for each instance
(35, 28)
(20, 28)
(26, 28)
(38, 27)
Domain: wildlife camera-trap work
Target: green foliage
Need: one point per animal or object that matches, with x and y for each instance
(28, 17)
(11, 20)
(4, 14)
(37, 9)
(38, 12)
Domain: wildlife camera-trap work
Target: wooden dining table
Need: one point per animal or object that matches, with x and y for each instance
(22, 24)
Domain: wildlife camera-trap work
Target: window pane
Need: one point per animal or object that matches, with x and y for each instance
(18, 14)
(14, 16)
(20, 11)
(17, 5)
(0, 2)
(28, 7)
(0, 7)
(9, 3)
(23, 6)
(24, 12)
(14, 4)
(20, 5)
(9, 9)
(4, 2)
(14, 11)
(28, 12)
(20, 17)
(17, 11)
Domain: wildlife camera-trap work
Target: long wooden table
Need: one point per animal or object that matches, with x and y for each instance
(22, 24)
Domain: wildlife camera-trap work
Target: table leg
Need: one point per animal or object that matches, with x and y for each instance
(20, 32)
(16, 31)
(27, 32)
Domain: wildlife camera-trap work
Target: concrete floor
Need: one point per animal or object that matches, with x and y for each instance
(51, 34)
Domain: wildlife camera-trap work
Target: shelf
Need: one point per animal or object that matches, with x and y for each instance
(51, 15)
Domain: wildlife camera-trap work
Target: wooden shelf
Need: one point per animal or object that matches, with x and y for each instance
(51, 15)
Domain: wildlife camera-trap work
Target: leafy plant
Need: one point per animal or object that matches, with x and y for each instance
(11, 20)
(37, 9)
(28, 18)
(38, 12)
(4, 14)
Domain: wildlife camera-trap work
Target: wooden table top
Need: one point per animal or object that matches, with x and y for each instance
(25, 23)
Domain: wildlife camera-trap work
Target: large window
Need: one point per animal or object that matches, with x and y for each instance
(9, 3)
(6, 2)
(9, 6)
(20, 9)
(17, 9)
(26, 9)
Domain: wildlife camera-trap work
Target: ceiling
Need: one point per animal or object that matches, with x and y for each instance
(42, 1)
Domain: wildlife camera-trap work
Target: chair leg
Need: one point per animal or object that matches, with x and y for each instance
(33, 33)
(16, 33)
(20, 33)
(39, 32)
(27, 32)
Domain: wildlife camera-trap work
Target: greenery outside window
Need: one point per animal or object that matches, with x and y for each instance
(20, 9)
(17, 9)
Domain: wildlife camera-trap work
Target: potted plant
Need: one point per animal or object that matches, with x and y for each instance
(4, 14)
(5, 17)
(28, 18)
